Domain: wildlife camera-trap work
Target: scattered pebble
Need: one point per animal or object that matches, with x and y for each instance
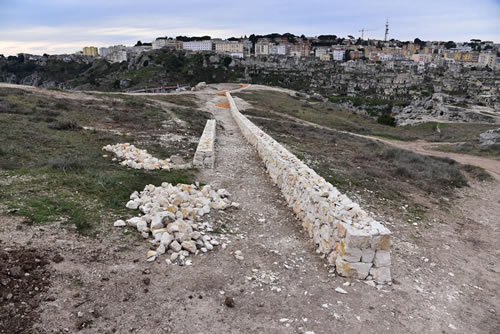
(340, 290)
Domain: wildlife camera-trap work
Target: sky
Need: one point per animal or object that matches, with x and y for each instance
(66, 26)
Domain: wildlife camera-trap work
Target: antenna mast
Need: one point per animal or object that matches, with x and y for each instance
(386, 29)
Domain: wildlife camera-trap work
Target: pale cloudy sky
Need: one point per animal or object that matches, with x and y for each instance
(65, 26)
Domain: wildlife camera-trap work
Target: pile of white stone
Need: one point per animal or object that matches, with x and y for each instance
(172, 219)
(136, 158)
(352, 241)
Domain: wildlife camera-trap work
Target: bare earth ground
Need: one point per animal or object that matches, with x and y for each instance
(445, 270)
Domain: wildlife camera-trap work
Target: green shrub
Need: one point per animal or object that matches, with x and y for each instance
(386, 119)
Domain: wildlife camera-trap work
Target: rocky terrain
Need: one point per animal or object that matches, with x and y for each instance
(445, 108)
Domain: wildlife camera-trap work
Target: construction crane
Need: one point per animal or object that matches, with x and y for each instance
(362, 31)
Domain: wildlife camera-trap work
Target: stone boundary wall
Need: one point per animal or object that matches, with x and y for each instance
(205, 152)
(347, 236)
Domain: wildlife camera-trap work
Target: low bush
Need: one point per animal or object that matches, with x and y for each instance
(477, 173)
(64, 125)
(386, 119)
(433, 174)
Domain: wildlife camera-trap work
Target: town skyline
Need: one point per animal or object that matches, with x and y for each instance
(58, 26)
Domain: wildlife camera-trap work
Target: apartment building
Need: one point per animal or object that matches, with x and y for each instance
(198, 45)
(261, 49)
(338, 54)
(278, 49)
(161, 43)
(487, 59)
(229, 47)
(321, 51)
(90, 51)
(421, 58)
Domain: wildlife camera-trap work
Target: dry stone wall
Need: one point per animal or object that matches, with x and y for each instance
(205, 153)
(357, 245)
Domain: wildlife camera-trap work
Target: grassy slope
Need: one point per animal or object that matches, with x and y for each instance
(389, 176)
(323, 114)
(49, 174)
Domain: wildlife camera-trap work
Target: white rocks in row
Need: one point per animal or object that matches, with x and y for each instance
(136, 158)
(204, 156)
(345, 234)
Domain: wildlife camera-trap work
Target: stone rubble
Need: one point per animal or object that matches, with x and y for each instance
(172, 217)
(347, 236)
(136, 158)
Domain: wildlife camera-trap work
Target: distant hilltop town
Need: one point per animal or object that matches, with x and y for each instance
(475, 53)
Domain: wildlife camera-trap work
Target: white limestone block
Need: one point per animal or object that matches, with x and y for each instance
(119, 223)
(175, 246)
(382, 258)
(189, 246)
(367, 255)
(381, 275)
(357, 270)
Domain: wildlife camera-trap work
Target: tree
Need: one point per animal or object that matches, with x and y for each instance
(233, 39)
(227, 61)
(350, 36)
(139, 43)
(347, 55)
(419, 42)
(253, 38)
(450, 45)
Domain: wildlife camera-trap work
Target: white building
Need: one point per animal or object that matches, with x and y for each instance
(338, 54)
(103, 52)
(321, 51)
(487, 59)
(161, 42)
(261, 49)
(198, 45)
(247, 47)
(385, 57)
(277, 49)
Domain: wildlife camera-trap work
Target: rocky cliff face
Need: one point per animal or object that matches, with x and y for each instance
(446, 108)
(490, 137)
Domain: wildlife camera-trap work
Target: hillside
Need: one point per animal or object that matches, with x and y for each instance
(68, 269)
(379, 90)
